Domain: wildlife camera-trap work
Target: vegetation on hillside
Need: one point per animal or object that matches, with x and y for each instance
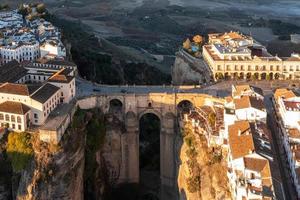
(205, 165)
(19, 150)
(4, 7)
(99, 67)
(95, 138)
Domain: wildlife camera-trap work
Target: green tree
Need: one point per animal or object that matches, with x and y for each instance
(212, 119)
(4, 7)
(24, 10)
(19, 150)
(41, 8)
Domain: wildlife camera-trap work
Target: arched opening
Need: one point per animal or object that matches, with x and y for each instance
(263, 76)
(115, 106)
(271, 76)
(242, 76)
(219, 76)
(227, 76)
(248, 76)
(277, 76)
(185, 107)
(149, 156)
(235, 75)
(256, 76)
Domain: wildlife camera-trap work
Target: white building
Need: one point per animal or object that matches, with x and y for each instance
(53, 48)
(246, 103)
(23, 106)
(250, 160)
(24, 40)
(287, 105)
(236, 56)
(20, 52)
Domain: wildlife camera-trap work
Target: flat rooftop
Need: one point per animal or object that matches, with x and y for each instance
(57, 117)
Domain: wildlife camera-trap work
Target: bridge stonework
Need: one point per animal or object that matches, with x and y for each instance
(134, 106)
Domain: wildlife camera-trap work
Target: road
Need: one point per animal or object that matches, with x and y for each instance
(86, 88)
(220, 89)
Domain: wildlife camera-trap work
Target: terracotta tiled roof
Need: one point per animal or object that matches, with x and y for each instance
(249, 101)
(284, 93)
(294, 133)
(61, 76)
(292, 105)
(242, 89)
(14, 107)
(255, 164)
(17, 89)
(240, 139)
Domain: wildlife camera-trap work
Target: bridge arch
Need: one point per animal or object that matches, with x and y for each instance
(185, 106)
(150, 111)
(115, 105)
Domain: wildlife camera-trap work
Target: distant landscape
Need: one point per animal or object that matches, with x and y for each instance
(141, 37)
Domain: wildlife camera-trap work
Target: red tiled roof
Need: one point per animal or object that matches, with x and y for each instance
(240, 139)
(14, 107)
(18, 89)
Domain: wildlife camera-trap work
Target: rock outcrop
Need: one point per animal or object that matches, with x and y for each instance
(188, 70)
(202, 173)
(56, 171)
(85, 165)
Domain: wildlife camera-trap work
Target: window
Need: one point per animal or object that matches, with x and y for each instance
(13, 118)
(35, 115)
(7, 117)
(1, 117)
(19, 127)
(19, 120)
(13, 126)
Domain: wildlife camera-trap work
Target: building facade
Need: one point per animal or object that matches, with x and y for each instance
(28, 95)
(235, 56)
(287, 106)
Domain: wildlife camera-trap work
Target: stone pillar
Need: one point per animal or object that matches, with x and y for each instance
(132, 162)
(130, 152)
(167, 159)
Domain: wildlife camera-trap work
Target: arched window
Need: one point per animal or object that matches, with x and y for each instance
(7, 117)
(19, 120)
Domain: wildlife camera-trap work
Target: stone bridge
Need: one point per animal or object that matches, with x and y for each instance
(133, 106)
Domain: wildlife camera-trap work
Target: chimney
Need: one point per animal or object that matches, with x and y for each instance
(239, 132)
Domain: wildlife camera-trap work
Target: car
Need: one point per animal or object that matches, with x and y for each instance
(96, 90)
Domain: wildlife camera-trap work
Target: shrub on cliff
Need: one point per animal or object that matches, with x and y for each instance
(19, 150)
(193, 184)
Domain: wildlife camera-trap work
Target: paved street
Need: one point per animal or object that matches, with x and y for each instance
(220, 89)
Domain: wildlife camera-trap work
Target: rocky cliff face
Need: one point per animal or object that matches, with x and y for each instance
(56, 171)
(202, 173)
(185, 71)
(86, 165)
